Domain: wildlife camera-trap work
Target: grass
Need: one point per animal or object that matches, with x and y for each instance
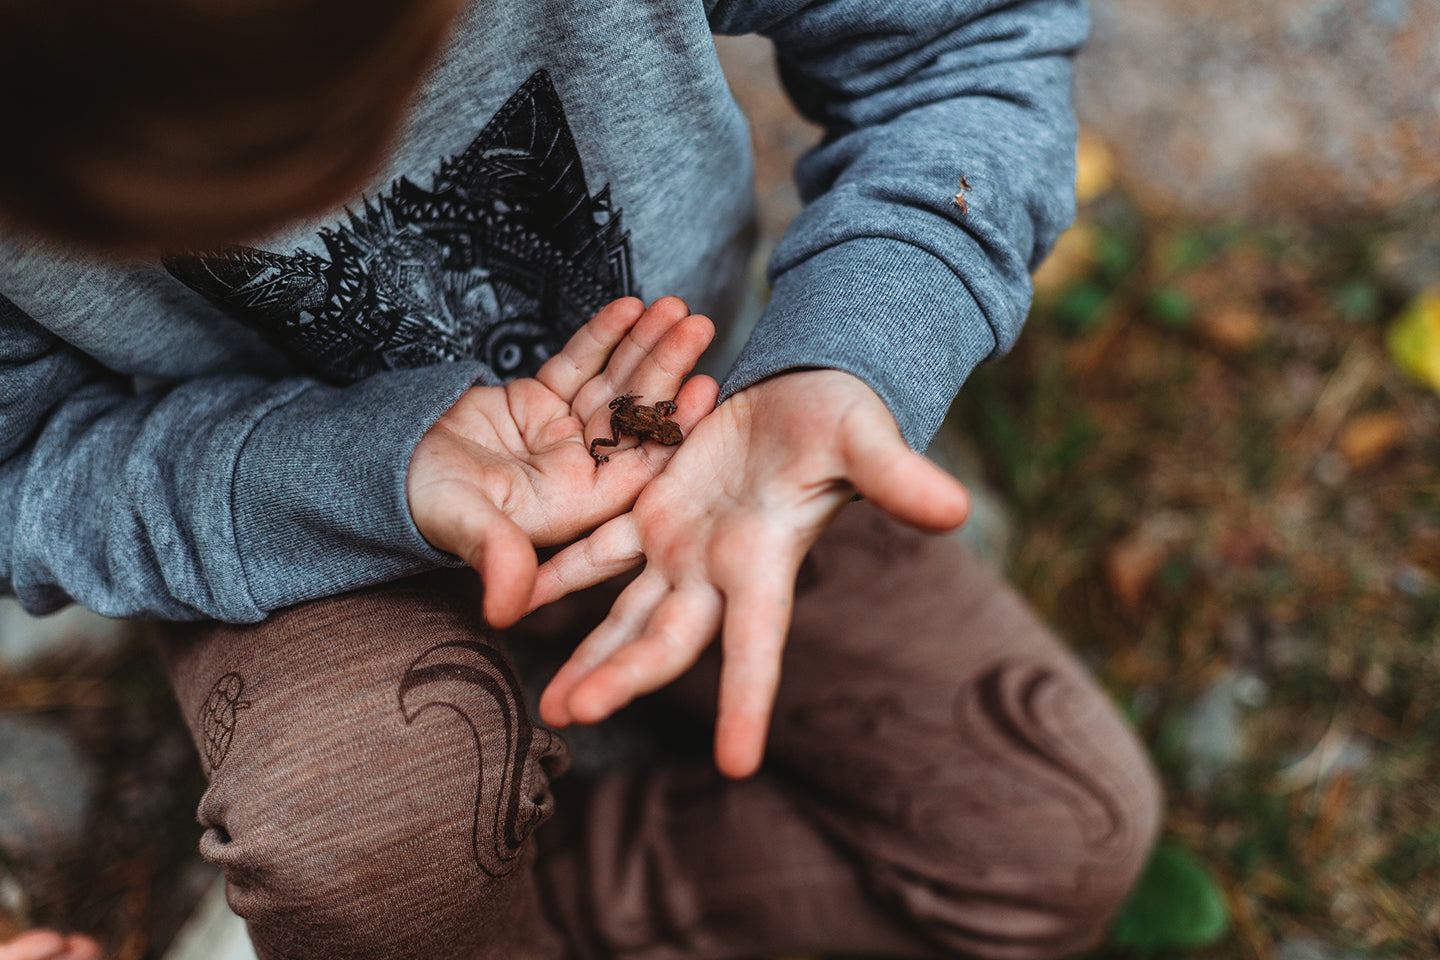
(1216, 471)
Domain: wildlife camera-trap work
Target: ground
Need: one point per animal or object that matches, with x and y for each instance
(1226, 494)
(1223, 490)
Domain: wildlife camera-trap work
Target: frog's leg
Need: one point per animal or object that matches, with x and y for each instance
(666, 408)
(614, 441)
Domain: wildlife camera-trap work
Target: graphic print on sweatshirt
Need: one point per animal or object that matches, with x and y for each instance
(501, 260)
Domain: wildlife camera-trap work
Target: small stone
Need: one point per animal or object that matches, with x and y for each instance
(1311, 948)
(14, 905)
(26, 639)
(1214, 740)
(46, 788)
(987, 531)
(1411, 580)
(1251, 691)
(1338, 751)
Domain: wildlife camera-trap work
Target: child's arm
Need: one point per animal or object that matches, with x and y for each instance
(231, 496)
(884, 276)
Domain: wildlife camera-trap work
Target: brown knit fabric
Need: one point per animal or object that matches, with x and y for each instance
(943, 780)
(374, 777)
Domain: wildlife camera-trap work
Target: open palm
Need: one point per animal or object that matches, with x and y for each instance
(508, 468)
(722, 534)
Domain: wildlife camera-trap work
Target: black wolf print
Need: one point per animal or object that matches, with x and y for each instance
(475, 682)
(504, 257)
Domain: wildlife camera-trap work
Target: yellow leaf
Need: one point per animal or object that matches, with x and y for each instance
(1070, 261)
(1094, 167)
(1414, 340)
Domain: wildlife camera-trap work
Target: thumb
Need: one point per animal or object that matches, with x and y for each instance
(463, 521)
(505, 559)
(904, 484)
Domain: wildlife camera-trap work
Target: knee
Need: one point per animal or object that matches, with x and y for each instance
(1030, 854)
(1050, 895)
(386, 816)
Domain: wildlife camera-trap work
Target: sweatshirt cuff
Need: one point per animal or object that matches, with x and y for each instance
(888, 312)
(319, 500)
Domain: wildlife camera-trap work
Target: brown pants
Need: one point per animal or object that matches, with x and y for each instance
(943, 779)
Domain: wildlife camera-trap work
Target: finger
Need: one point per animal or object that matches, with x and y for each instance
(660, 372)
(505, 559)
(608, 552)
(757, 621)
(695, 400)
(628, 615)
(589, 348)
(82, 948)
(459, 518)
(35, 945)
(901, 482)
(680, 629)
(641, 339)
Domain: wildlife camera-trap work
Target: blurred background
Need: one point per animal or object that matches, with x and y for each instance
(1213, 461)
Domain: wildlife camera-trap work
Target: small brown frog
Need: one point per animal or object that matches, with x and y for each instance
(647, 423)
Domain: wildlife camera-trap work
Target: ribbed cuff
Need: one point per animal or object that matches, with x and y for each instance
(884, 310)
(319, 499)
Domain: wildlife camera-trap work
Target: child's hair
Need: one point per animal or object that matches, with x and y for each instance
(138, 124)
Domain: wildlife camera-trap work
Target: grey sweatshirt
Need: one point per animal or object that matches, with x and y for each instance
(225, 433)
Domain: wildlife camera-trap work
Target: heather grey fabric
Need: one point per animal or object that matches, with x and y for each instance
(585, 149)
(944, 779)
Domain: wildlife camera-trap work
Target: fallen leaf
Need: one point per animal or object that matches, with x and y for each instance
(1368, 438)
(1130, 567)
(1071, 260)
(1177, 904)
(1132, 564)
(1094, 167)
(1414, 339)
(1232, 328)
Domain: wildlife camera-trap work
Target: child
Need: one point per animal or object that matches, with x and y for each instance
(941, 776)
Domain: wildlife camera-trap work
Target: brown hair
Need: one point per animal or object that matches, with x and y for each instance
(142, 124)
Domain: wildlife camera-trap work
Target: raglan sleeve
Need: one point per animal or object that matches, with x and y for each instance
(884, 274)
(224, 496)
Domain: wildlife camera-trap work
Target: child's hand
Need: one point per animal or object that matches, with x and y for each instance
(722, 532)
(47, 945)
(508, 468)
